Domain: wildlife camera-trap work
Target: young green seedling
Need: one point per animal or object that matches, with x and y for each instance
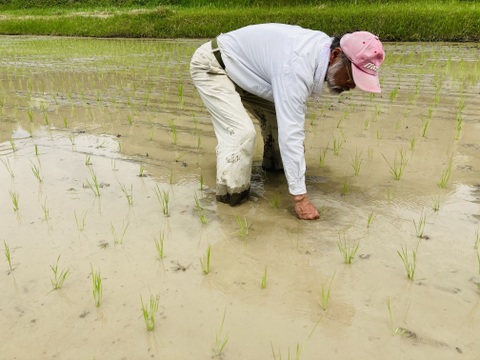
(118, 238)
(80, 221)
(8, 255)
(420, 227)
(201, 214)
(221, 340)
(446, 175)
(94, 185)
(275, 200)
(128, 195)
(394, 330)
(357, 162)
(163, 198)
(14, 196)
(477, 239)
(397, 168)
(410, 264)
(149, 311)
(325, 293)
(263, 284)
(206, 265)
(243, 227)
(59, 277)
(97, 286)
(370, 219)
(348, 252)
(159, 245)
(6, 163)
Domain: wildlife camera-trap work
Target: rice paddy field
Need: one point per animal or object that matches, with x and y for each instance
(115, 248)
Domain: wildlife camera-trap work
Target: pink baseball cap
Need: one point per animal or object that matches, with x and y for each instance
(366, 53)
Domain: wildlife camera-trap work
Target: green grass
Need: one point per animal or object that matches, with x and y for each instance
(407, 20)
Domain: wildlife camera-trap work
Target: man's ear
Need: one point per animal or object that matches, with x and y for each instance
(335, 55)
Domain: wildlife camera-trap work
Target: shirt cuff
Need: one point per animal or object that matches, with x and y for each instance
(298, 187)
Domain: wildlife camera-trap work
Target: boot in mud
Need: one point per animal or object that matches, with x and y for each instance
(233, 199)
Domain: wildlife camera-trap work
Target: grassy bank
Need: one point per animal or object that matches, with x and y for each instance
(396, 21)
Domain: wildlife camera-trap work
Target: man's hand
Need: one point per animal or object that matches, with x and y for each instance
(304, 208)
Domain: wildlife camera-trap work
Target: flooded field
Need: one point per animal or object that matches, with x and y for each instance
(107, 201)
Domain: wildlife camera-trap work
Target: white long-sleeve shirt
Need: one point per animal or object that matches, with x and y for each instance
(284, 64)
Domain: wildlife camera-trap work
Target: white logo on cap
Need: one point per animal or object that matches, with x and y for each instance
(371, 66)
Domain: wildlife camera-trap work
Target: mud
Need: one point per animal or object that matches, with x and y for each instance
(124, 113)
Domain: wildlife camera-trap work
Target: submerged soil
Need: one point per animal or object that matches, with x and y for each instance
(123, 114)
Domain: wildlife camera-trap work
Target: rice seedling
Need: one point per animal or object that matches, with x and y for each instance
(446, 175)
(36, 150)
(6, 163)
(59, 277)
(337, 146)
(46, 212)
(436, 203)
(322, 156)
(274, 201)
(243, 227)
(370, 219)
(159, 245)
(173, 130)
(394, 93)
(394, 330)
(357, 162)
(118, 238)
(397, 168)
(458, 125)
(420, 226)
(128, 195)
(8, 255)
(325, 293)
(221, 340)
(201, 214)
(141, 171)
(477, 239)
(425, 124)
(97, 286)
(163, 198)
(149, 311)
(94, 185)
(206, 265)
(12, 145)
(37, 172)
(410, 264)
(478, 259)
(298, 351)
(88, 160)
(80, 221)
(263, 284)
(14, 196)
(412, 143)
(348, 252)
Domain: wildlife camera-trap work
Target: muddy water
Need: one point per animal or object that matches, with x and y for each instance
(124, 113)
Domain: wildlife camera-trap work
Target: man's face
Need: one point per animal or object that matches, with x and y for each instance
(339, 73)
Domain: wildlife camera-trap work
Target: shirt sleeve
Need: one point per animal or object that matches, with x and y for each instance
(290, 92)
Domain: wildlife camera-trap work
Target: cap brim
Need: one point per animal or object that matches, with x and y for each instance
(365, 81)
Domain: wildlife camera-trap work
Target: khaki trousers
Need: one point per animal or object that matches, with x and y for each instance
(228, 104)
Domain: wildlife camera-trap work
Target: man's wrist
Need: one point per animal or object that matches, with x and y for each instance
(299, 198)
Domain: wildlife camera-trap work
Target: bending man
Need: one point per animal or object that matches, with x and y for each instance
(271, 70)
